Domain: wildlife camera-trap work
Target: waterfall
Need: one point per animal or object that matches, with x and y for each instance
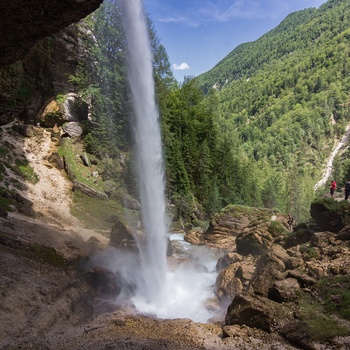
(148, 149)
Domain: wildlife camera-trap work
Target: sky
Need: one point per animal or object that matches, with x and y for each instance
(197, 34)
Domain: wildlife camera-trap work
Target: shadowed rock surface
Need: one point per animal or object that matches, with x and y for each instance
(25, 22)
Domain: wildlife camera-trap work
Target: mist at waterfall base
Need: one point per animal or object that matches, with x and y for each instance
(187, 288)
(145, 278)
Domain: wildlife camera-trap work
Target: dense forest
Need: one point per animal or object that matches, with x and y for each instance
(255, 130)
(284, 99)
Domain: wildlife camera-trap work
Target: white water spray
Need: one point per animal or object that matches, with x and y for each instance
(148, 147)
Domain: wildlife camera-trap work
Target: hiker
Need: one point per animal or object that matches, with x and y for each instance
(290, 222)
(332, 189)
(347, 189)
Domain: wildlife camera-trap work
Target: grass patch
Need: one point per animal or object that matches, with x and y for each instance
(319, 325)
(71, 150)
(25, 170)
(335, 292)
(93, 213)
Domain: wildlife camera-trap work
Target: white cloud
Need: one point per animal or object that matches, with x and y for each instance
(190, 22)
(201, 12)
(181, 66)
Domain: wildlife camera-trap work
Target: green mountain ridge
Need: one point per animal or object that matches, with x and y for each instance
(283, 98)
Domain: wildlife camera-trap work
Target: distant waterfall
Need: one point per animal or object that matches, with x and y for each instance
(148, 147)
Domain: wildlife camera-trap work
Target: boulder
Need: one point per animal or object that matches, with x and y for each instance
(304, 280)
(300, 235)
(73, 129)
(296, 332)
(51, 115)
(322, 239)
(226, 225)
(235, 278)
(344, 234)
(256, 312)
(78, 186)
(24, 205)
(75, 109)
(195, 236)
(254, 239)
(330, 215)
(85, 159)
(227, 285)
(123, 236)
(285, 290)
(270, 267)
(120, 233)
(227, 260)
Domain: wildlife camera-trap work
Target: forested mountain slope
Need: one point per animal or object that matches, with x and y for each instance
(282, 101)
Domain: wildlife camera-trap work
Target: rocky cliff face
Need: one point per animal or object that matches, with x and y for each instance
(27, 86)
(25, 22)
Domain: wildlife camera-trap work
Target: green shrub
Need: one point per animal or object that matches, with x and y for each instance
(25, 170)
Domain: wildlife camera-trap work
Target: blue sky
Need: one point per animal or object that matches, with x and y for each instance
(197, 34)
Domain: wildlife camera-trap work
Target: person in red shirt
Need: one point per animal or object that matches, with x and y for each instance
(333, 187)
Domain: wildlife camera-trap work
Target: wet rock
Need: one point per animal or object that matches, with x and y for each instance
(227, 260)
(235, 278)
(195, 236)
(227, 285)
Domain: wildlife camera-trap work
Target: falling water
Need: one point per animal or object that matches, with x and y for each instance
(148, 148)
